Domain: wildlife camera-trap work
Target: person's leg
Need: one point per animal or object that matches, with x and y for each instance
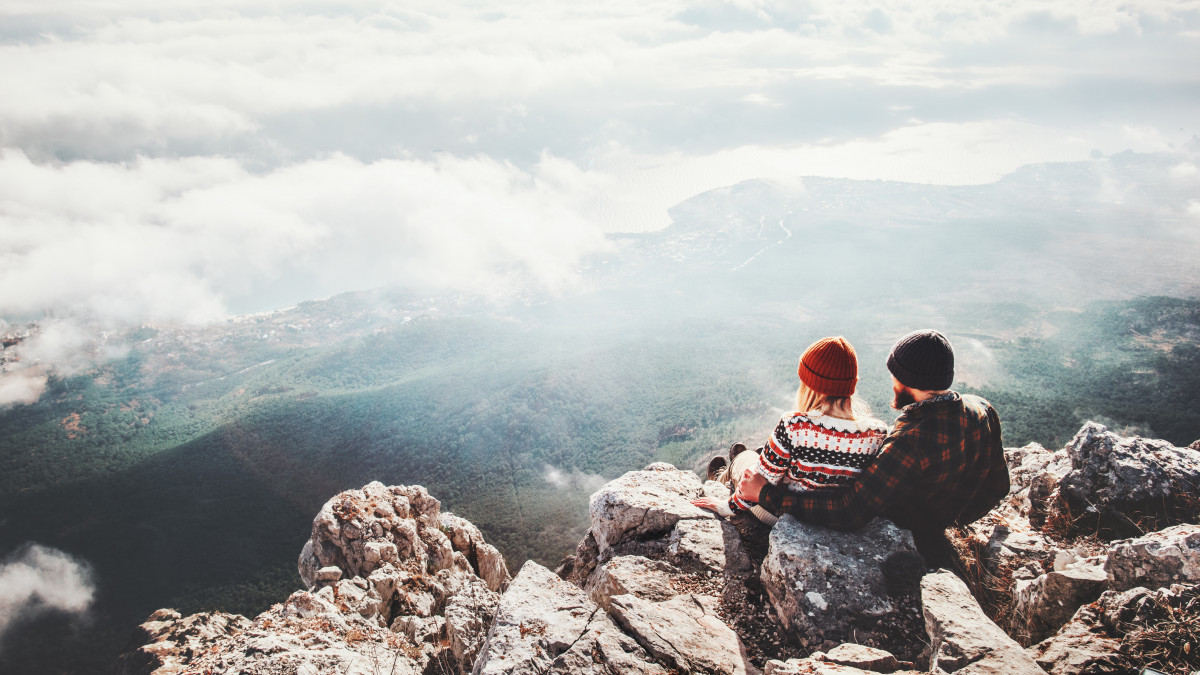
(733, 473)
(935, 548)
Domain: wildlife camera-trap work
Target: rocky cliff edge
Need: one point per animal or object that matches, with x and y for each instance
(659, 586)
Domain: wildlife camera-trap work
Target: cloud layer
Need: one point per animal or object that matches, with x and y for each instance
(178, 160)
(38, 579)
(176, 239)
(511, 79)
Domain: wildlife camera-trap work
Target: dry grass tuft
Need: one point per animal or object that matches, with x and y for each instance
(1070, 520)
(1171, 641)
(993, 589)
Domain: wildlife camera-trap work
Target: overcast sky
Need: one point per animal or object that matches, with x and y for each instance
(179, 159)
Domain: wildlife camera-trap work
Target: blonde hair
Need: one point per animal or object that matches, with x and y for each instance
(851, 407)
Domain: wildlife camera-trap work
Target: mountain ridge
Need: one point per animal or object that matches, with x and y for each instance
(660, 586)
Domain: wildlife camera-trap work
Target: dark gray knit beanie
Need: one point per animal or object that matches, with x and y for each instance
(924, 360)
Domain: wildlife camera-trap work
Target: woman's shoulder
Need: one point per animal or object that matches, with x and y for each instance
(817, 420)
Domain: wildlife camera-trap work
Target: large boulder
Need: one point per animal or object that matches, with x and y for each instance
(1116, 474)
(359, 531)
(546, 625)
(838, 586)
(962, 638)
(1156, 560)
(677, 586)
(644, 505)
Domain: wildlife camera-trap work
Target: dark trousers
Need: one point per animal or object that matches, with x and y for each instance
(935, 548)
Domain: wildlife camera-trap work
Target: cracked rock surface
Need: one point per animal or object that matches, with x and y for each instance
(839, 586)
(963, 638)
(546, 625)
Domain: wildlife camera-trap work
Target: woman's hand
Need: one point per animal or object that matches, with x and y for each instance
(750, 486)
(713, 504)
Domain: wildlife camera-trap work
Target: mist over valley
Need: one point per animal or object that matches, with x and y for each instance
(183, 464)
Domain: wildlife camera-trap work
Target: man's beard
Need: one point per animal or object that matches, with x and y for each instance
(902, 398)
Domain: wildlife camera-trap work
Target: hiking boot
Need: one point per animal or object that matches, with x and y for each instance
(716, 466)
(735, 450)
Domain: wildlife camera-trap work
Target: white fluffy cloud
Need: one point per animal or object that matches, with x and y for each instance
(21, 387)
(176, 239)
(38, 578)
(177, 159)
(575, 480)
(101, 79)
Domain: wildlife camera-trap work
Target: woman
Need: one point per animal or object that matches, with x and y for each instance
(822, 446)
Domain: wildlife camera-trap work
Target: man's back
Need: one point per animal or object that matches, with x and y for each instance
(956, 443)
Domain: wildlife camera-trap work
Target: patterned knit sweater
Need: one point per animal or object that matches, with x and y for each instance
(813, 451)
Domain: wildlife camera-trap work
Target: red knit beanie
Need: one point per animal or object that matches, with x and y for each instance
(829, 366)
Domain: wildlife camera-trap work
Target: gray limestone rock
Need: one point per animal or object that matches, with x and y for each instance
(1015, 542)
(1113, 473)
(684, 633)
(390, 583)
(631, 574)
(169, 639)
(710, 545)
(357, 531)
(484, 558)
(469, 614)
(546, 625)
(963, 639)
(1034, 473)
(1091, 642)
(1156, 560)
(1082, 643)
(305, 634)
(1028, 462)
(1046, 603)
(823, 664)
(577, 567)
(864, 657)
(644, 504)
(827, 584)
(490, 567)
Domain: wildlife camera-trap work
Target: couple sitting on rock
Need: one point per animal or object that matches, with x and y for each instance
(831, 463)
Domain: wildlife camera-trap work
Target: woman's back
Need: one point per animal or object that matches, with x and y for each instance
(814, 450)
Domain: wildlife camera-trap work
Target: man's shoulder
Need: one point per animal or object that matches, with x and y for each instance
(974, 400)
(948, 408)
(977, 405)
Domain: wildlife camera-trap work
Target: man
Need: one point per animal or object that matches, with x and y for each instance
(941, 464)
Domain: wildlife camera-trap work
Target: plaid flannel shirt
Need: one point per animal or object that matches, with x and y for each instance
(942, 463)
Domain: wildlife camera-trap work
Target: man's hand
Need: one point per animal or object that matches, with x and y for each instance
(750, 485)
